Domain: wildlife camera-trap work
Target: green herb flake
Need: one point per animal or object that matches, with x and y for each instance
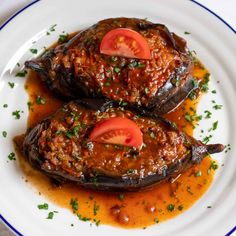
(21, 73)
(43, 206)
(16, 114)
(40, 100)
(213, 91)
(117, 69)
(18, 64)
(217, 107)
(4, 134)
(198, 173)
(156, 220)
(29, 104)
(170, 207)
(74, 204)
(208, 114)
(213, 166)
(206, 139)
(186, 32)
(11, 84)
(209, 206)
(34, 50)
(96, 208)
(82, 218)
(52, 28)
(130, 171)
(204, 84)
(215, 125)
(121, 196)
(50, 215)
(63, 38)
(5, 105)
(12, 156)
(97, 222)
(107, 84)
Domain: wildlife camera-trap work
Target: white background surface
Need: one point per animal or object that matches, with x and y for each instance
(224, 8)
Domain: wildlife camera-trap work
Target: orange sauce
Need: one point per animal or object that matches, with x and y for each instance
(136, 209)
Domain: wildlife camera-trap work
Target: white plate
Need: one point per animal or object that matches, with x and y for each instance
(215, 45)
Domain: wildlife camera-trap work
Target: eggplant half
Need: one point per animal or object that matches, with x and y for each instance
(77, 69)
(61, 146)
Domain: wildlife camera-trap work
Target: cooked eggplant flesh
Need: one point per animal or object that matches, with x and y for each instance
(61, 147)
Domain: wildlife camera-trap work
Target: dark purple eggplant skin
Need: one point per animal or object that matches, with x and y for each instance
(122, 183)
(69, 85)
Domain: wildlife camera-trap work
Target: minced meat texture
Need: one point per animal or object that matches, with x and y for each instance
(65, 146)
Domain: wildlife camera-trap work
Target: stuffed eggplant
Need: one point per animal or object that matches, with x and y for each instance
(127, 60)
(106, 147)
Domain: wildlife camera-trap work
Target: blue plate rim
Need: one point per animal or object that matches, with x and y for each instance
(32, 3)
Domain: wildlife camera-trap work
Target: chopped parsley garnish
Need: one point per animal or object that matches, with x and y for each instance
(107, 84)
(217, 107)
(4, 134)
(74, 204)
(208, 114)
(83, 218)
(130, 171)
(18, 64)
(192, 95)
(95, 208)
(63, 38)
(206, 139)
(11, 84)
(12, 156)
(16, 114)
(117, 69)
(50, 215)
(186, 32)
(34, 50)
(5, 105)
(43, 206)
(195, 83)
(203, 86)
(213, 166)
(198, 173)
(209, 206)
(29, 104)
(73, 131)
(121, 196)
(51, 29)
(213, 91)
(21, 73)
(215, 125)
(170, 207)
(40, 100)
(156, 220)
(97, 222)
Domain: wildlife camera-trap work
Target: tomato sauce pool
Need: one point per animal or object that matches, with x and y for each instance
(123, 209)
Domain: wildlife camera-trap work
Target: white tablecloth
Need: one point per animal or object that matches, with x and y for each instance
(224, 8)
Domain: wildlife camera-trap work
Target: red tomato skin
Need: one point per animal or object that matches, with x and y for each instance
(116, 126)
(125, 42)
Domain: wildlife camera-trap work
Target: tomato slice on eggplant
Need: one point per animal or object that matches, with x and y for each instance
(125, 42)
(117, 130)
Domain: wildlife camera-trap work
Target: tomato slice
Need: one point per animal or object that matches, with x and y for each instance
(125, 42)
(117, 130)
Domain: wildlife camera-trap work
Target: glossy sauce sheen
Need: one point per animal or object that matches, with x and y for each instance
(128, 210)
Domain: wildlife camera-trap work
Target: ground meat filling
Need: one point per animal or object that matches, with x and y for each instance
(65, 145)
(125, 79)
